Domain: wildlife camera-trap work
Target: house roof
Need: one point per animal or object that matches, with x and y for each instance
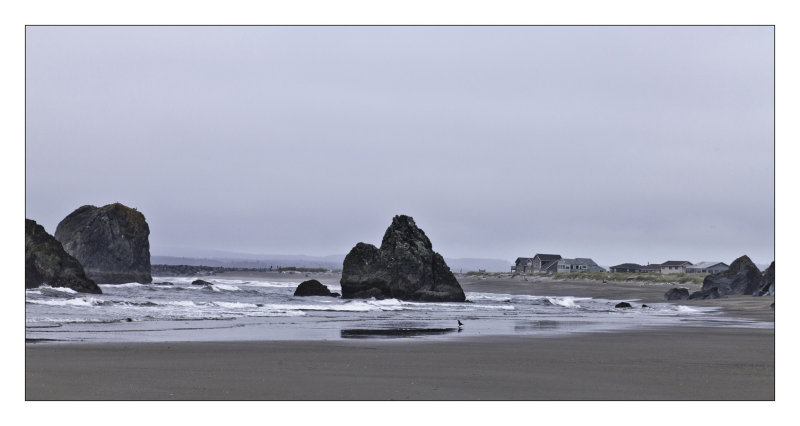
(579, 261)
(547, 257)
(628, 266)
(676, 263)
(523, 260)
(705, 265)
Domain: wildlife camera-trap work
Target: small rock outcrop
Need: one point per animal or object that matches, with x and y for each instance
(743, 277)
(111, 242)
(46, 262)
(623, 305)
(710, 293)
(767, 285)
(312, 288)
(405, 267)
(677, 293)
(201, 282)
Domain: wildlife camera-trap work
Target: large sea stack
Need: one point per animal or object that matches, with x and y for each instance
(405, 267)
(46, 262)
(743, 277)
(111, 242)
(768, 281)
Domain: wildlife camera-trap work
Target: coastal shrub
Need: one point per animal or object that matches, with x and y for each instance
(300, 269)
(623, 277)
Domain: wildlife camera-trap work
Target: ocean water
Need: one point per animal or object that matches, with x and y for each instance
(267, 310)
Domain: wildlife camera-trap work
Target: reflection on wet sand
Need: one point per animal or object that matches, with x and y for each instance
(355, 333)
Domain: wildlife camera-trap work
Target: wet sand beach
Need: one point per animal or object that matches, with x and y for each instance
(691, 363)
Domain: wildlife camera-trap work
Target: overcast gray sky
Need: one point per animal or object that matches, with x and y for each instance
(624, 144)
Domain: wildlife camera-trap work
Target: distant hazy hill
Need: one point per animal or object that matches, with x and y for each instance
(245, 260)
(474, 264)
(264, 262)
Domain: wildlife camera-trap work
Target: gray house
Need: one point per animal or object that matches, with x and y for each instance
(627, 267)
(706, 268)
(544, 262)
(579, 264)
(654, 268)
(675, 266)
(523, 265)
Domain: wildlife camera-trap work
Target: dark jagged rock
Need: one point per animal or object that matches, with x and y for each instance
(312, 288)
(623, 305)
(767, 284)
(677, 293)
(46, 262)
(111, 242)
(201, 282)
(710, 293)
(743, 277)
(364, 275)
(405, 267)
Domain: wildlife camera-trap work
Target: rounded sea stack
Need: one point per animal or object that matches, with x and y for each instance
(111, 242)
(312, 288)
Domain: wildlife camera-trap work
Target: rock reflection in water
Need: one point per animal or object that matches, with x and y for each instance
(355, 333)
(537, 325)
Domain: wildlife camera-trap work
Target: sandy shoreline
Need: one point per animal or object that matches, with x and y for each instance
(689, 363)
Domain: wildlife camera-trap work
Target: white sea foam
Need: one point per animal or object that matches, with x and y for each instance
(567, 302)
(40, 320)
(90, 301)
(186, 303)
(61, 289)
(125, 285)
(281, 284)
(277, 313)
(434, 306)
(493, 297)
(231, 282)
(350, 306)
(226, 287)
(235, 305)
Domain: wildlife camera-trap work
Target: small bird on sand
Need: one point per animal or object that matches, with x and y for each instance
(459, 323)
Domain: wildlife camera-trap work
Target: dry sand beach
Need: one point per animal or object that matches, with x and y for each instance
(692, 363)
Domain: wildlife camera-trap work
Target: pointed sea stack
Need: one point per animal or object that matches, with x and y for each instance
(405, 267)
(111, 242)
(46, 262)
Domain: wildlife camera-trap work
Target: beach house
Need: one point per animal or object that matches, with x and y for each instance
(545, 262)
(523, 265)
(627, 267)
(675, 266)
(653, 268)
(579, 264)
(706, 268)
